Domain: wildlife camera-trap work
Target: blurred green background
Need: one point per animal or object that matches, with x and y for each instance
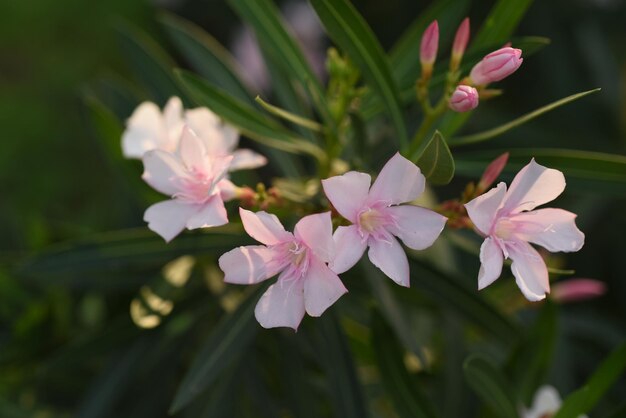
(57, 183)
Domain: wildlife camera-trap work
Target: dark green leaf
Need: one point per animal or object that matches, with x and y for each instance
(228, 340)
(350, 31)
(436, 162)
(490, 385)
(500, 23)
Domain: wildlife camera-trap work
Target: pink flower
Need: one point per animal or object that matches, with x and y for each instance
(148, 129)
(464, 98)
(192, 178)
(496, 66)
(509, 223)
(576, 290)
(428, 46)
(305, 282)
(460, 42)
(377, 217)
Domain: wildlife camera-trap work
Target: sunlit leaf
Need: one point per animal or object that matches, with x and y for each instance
(291, 117)
(435, 161)
(490, 385)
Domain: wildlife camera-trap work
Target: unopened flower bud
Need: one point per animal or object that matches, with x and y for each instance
(492, 172)
(464, 98)
(428, 48)
(575, 290)
(496, 66)
(460, 43)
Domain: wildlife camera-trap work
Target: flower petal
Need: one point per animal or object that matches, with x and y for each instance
(264, 227)
(161, 171)
(553, 229)
(218, 138)
(491, 260)
(245, 159)
(322, 288)
(399, 181)
(546, 402)
(417, 227)
(533, 186)
(173, 114)
(169, 218)
(349, 248)
(192, 151)
(348, 193)
(483, 209)
(228, 191)
(247, 265)
(389, 256)
(144, 132)
(282, 305)
(530, 271)
(316, 232)
(211, 213)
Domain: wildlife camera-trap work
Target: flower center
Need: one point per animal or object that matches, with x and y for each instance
(504, 229)
(197, 188)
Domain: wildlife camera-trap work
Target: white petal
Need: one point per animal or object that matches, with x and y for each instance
(228, 191)
(282, 305)
(264, 227)
(246, 159)
(211, 213)
(349, 248)
(399, 181)
(192, 151)
(547, 401)
(218, 138)
(530, 271)
(348, 193)
(173, 113)
(162, 170)
(316, 232)
(169, 218)
(322, 288)
(491, 260)
(417, 227)
(553, 229)
(247, 265)
(533, 186)
(391, 259)
(483, 209)
(144, 132)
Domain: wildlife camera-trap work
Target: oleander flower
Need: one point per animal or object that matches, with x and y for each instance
(496, 66)
(305, 282)
(148, 128)
(546, 404)
(509, 224)
(464, 98)
(193, 179)
(378, 217)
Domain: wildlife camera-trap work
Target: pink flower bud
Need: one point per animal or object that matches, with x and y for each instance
(492, 171)
(464, 98)
(460, 43)
(429, 45)
(496, 66)
(575, 290)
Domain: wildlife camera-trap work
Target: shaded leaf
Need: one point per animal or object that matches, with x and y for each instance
(500, 24)
(490, 385)
(435, 161)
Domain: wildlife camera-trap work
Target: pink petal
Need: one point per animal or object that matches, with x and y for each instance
(144, 132)
(391, 259)
(553, 229)
(192, 151)
(483, 209)
(247, 265)
(349, 248)
(322, 288)
(218, 138)
(264, 227)
(218, 167)
(211, 213)
(491, 259)
(316, 232)
(161, 170)
(245, 159)
(417, 227)
(169, 218)
(228, 191)
(348, 193)
(574, 290)
(530, 271)
(282, 305)
(399, 181)
(533, 186)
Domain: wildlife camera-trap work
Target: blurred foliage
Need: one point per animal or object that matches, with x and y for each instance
(69, 343)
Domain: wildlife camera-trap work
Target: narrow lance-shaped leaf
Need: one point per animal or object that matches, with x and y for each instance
(288, 116)
(500, 24)
(350, 31)
(435, 161)
(490, 385)
(230, 338)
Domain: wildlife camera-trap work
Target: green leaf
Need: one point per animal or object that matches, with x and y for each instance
(435, 161)
(490, 385)
(230, 338)
(500, 23)
(251, 123)
(350, 31)
(494, 132)
(151, 66)
(337, 361)
(585, 398)
(408, 399)
(206, 55)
